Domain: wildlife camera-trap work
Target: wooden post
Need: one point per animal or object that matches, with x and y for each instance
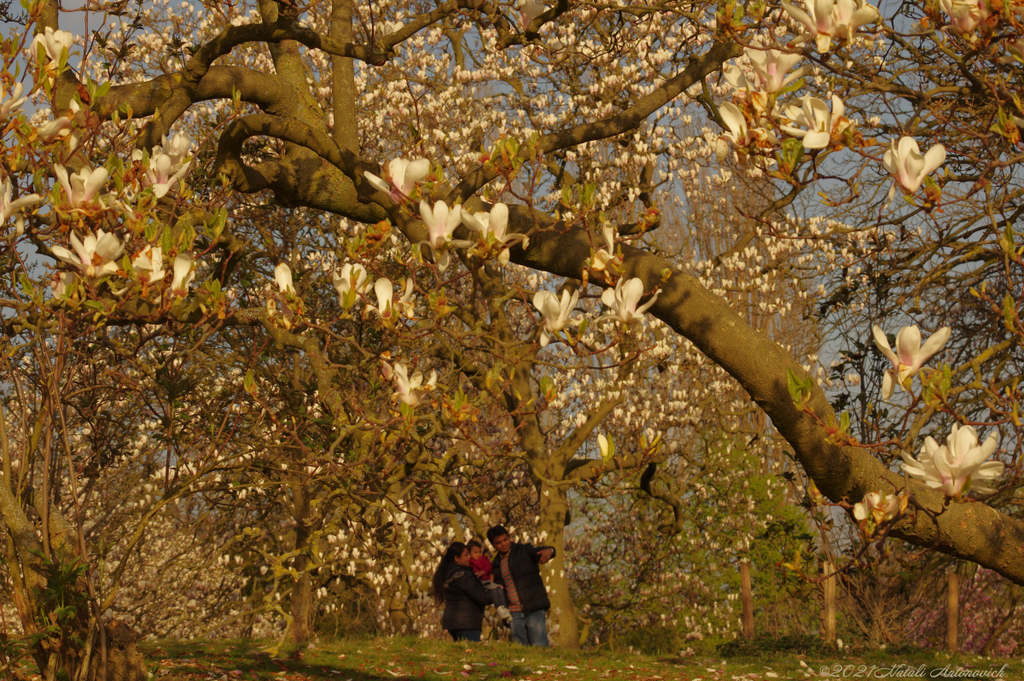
(952, 612)
(748, 600)
(828, 606)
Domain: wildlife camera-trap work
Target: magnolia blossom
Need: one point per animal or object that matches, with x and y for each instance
(821, 124)
(8, 105)
(82, 188)
(826, 20)
(623, 299)
(167, 164)
(494, 224)
(14, 208)
(386, 304)
(607, 447)
(555, 311)
(909, 357)
(961, 461)
(60, 283)
(402, 177)
(283, 277)
(184, 272)
(94, 256)
(54, 43)
(408, 390)
(771, 67)
(349, 281)
(879, 507)
(441, 223)
(604, 256)
(150, 261)
(390, 27)
(909, 166)
(528, 11)
(965, 15)
(738, 133)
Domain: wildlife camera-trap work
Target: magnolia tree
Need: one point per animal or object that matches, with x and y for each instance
(449, 146)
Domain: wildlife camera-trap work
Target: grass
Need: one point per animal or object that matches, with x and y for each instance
(408, 659)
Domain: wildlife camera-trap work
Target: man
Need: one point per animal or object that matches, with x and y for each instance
(516, 568)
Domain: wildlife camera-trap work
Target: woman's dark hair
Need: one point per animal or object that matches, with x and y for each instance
(454, 550)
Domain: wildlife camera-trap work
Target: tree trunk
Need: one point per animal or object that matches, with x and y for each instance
(563, 629)
(302, 592)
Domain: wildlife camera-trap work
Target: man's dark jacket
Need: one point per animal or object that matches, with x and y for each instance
(524, 563)
(464, 599)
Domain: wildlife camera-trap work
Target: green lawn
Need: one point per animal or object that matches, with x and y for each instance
(408, 659)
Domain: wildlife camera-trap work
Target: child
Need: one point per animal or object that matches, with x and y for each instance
(482, 568)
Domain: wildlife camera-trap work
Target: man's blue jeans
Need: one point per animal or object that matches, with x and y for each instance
(530, 629)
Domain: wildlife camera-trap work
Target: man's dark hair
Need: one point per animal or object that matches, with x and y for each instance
(495, 532)
(473, 543)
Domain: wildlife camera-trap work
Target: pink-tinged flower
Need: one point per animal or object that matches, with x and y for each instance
(15, 207)
(60, 283)
(409, 390)
(54, 43)
(9, 105)
(957, 464)
(909, 357)
(877, 507)
(184, 272)
(965, 15)
(528, 11)
(94, 256)
(283, 278)
(493, 227)
(150, 262)
(441, 223)
(349, 282)
(742, 138)
(771, 67)
(402, 176)
(166, 165)
(905, 161)
(82, 188)
(826, 20)
(624, 298)
(820, 123)
(556, 312)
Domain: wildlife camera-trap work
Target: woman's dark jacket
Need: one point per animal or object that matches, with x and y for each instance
(524, 564)
(464, 599)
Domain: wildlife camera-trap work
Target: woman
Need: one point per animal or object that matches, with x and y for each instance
(462, 594)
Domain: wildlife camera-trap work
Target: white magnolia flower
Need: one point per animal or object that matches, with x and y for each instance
(623, 299)
(386, 306)
(556, 312)
(349, 282)
(879, 507)
(405, 305)
(402, 176)
(54, 43)
(909, 357)
(494, 226)
(960, 462)
(528, 11)
(817, 124)
(283, 277)
(739, 134)
(965, 15)
(408, 390)
(167, 164)
(604, 256)
(14, 208)
(390, 27)
(771, 67)
(826, 20)
(441, 223)
(82, 188)
(9, 105)
(607, 447)
(905, 161)
(150, 262)
(94, 256)
(60, 283)
(184, 272)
